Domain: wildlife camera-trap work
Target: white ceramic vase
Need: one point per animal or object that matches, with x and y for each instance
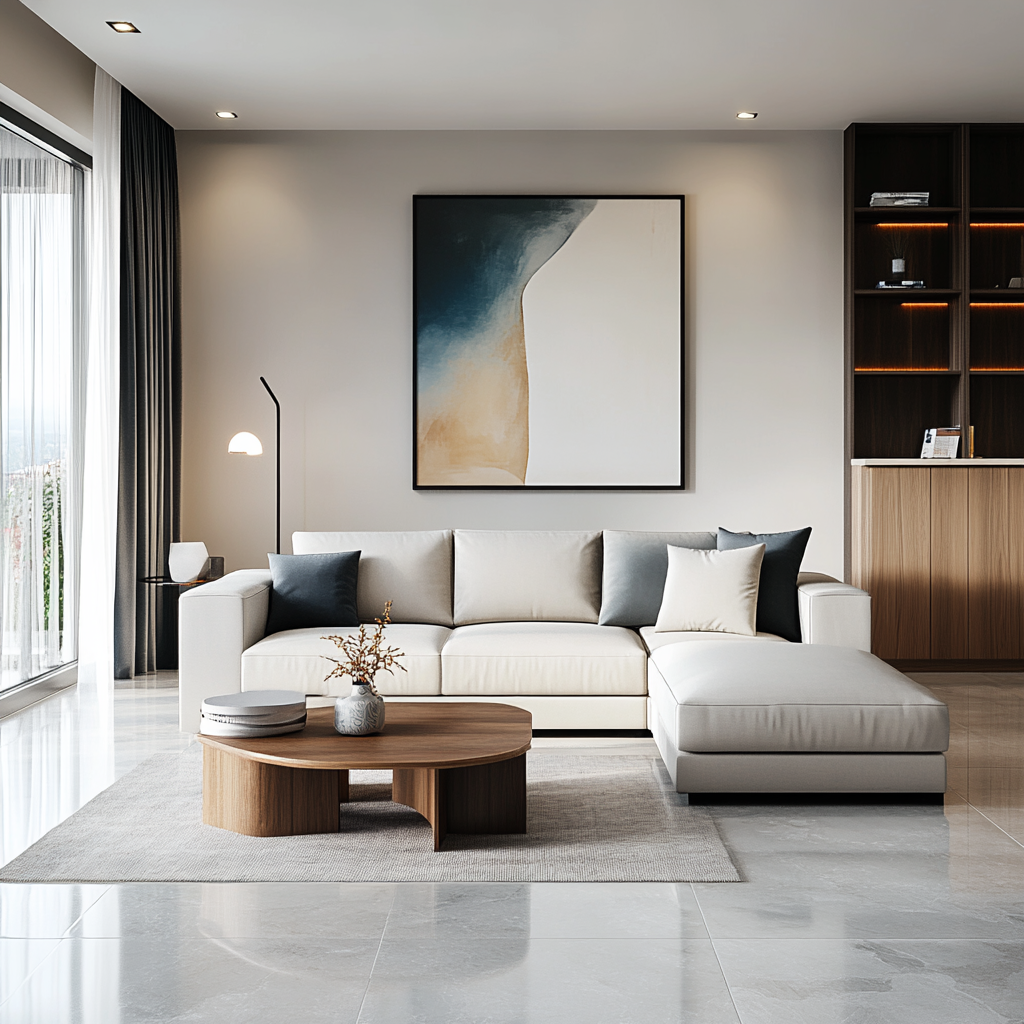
(360, 714)
(185, 560)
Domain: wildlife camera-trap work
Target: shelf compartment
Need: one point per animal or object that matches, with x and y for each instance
(997, 414)
(903, 333)
(927, 245)
(997, 155)
(997, 335)
(892, 412)
(997, 250)
(919, 294)
(905, 159)
(906, 214)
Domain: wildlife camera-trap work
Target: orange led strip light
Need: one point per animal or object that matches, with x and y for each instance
(997, 369)
(901, 369)
(998, 224)
(997, 305)
(924, 305)
(917, 224)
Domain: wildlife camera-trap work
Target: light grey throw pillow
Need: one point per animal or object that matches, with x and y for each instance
(633, 577)
(711, 591)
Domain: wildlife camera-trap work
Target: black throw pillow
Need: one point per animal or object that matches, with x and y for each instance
(313, 590)
(777, 608)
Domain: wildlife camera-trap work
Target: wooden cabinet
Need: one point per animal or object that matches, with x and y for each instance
(940, 548)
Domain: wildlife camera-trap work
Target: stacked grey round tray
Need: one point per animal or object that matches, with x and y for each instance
(254, 713)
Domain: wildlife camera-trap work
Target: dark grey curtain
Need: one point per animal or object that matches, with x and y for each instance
(149, 484)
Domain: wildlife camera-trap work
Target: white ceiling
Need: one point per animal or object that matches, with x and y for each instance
(558, 63)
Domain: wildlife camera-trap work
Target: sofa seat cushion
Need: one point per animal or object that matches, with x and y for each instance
(735, 696)
(545, 658)
(293, 660)
(655, 640)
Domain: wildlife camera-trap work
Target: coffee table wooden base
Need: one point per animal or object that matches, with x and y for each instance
(258, 799)
(254, 798)
(484, 799)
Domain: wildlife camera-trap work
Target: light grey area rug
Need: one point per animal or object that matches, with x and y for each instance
(605, 819)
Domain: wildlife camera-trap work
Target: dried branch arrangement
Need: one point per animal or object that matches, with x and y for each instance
(364, 655)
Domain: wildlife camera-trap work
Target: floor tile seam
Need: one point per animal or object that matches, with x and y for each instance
(376, 956)
(31, 974)
(718, 959)
(1008, 835)
(85, 910)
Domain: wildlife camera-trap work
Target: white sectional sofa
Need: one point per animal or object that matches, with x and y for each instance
(522, 617)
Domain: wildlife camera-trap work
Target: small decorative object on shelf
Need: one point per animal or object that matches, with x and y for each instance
(940, 443)
(362, 713)
(186, 561)
(899, 198)
(900, 284)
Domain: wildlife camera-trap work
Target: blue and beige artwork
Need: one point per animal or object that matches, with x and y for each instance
(548, 341)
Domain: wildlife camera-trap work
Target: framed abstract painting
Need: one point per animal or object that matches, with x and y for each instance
(548, 342)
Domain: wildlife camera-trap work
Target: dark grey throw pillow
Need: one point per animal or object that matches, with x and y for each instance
(633, 577)
(777, 608)
(313, 590)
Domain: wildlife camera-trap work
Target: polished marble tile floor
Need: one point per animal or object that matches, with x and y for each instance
(849, 913)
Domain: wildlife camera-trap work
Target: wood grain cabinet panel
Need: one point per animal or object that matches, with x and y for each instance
(892, 557)
(995, 573)
(941, 551)
(949, 557)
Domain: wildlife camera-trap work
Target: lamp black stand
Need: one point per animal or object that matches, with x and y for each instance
(277, 452)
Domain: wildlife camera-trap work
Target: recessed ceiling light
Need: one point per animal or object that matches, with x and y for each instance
(122, 26)
(747, 115)
(228, 115)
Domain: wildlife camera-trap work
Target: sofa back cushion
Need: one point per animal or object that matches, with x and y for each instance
(522, 576)
(635, 566)
(412, 569)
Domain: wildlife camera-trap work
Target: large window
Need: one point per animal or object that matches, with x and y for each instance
(41, 327)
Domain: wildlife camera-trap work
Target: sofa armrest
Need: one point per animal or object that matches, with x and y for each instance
(833, 613)
(216, 622)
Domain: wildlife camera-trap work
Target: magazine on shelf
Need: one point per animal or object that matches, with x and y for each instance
(940, 443)
(899, 198)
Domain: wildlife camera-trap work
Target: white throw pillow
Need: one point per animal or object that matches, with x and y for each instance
(711, 591)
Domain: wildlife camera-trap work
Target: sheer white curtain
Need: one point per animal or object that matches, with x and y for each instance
(99, 521)
(41, 235)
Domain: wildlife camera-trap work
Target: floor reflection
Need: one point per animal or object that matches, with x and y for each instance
(888, 912)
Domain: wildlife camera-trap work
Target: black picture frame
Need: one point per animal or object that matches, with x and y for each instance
(461, 245)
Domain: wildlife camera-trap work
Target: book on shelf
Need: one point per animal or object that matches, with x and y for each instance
(899, 198)
(900, 284)
(940, 443)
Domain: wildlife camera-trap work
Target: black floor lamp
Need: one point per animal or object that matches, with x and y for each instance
(277, 452)
(245, 443)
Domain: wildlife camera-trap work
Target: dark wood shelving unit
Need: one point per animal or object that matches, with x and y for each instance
(952, 352)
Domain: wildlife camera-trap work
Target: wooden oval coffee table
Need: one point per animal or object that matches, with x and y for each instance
(461, 765)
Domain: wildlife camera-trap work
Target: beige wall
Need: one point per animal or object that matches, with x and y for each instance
(297, 265)
(41, 66)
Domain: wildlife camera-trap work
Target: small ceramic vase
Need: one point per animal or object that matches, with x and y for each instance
(360, 714)
(185, 561)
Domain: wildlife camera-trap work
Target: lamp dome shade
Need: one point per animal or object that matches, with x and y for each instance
(245, 443)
